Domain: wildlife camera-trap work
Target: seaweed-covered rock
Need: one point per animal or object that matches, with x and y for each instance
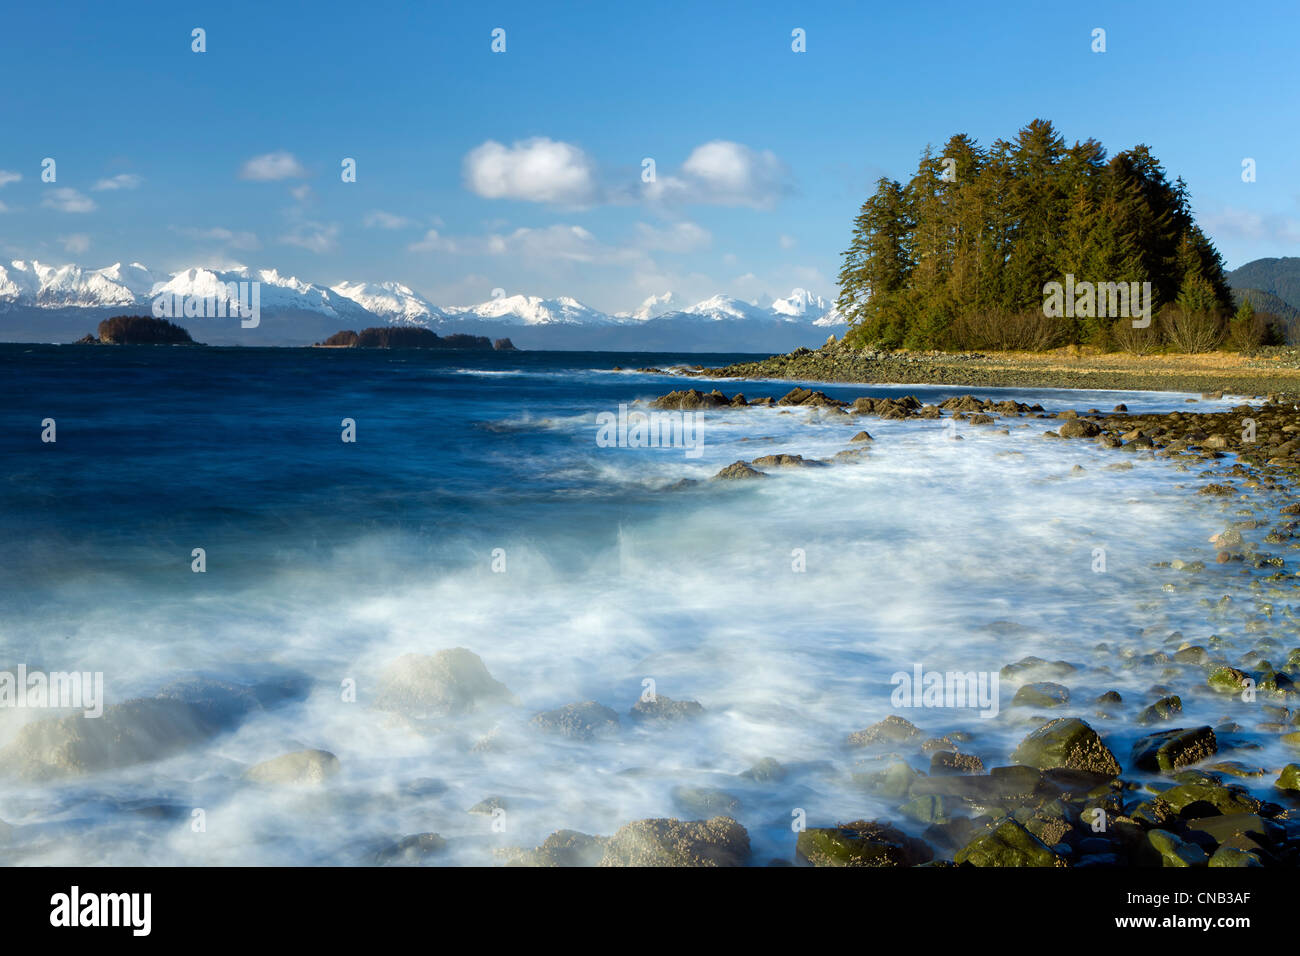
(1035, 668)
(664, 709)
(1207, 798)
(1166, 708)
(1172, 749)
(765, 771)
(787, 461)
(862, 843)
(580, 721)
(720, 841)
(1067, 742)
(1078, 428)
(1231, 856)
(561, 848)
(1289, 779)
(738, 470)
(1041, 694)
(1006, 843)
(891, 730)
(1172, 850)
(690, 398)
(412, 850)
(1227, 680)
(808, 397)
(949, 761)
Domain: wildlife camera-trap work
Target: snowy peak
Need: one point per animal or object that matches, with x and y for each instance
(38, 284)
(396, 303)
(800, 302)
(276, 291)
(653, 307)
(133, 286)
(723, 307)
(532, 310)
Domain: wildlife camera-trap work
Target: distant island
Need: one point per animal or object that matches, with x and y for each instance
(137, 330)
(397, 337)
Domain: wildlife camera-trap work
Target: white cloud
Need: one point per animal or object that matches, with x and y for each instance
(65, 199)
(378, 219)
(432, 242)
(9, 177)
(788, 242)
(236, 240)
(3, 207)
(534, 170)
(680, 237)
(563, 243)
(723, 173)
(300, 193)
(120, 181)
(76, 243)
(1235, 223)
(313, 236)
(272, 166)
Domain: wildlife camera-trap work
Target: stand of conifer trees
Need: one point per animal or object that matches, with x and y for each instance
(958, 257)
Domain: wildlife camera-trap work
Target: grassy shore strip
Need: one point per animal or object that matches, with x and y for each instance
(1267, 372)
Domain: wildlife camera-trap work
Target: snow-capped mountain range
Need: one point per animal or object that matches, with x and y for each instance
(300, 309)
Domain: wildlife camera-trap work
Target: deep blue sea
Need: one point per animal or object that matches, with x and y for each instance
(783, 606)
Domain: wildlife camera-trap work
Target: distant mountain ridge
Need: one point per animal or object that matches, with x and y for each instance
(41, 302)
(1271, 285)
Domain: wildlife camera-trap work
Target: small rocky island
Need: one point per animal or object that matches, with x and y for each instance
(391, 337)
(137, 330)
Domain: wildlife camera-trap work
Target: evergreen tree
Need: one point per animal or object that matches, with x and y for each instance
(977, 234)
(878, 265)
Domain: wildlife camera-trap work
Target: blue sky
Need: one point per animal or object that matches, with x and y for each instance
(522, 170)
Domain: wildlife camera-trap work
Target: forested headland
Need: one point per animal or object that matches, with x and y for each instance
(959, 256)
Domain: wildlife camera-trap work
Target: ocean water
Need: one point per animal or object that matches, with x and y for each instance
(327, 560)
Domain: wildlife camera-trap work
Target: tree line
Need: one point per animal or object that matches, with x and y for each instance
(959, 257)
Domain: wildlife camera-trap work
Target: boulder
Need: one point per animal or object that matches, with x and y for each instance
(719, 841)
(705, 802)
(412, 850)
(1042, 694)
(183, 714)
(579, 721)
(665, 709)
(738, 470)
(1078, 428)
(1172, 850)
(1172, 749)
(1165, 709)
(562, 848)
(444, 684)
(305, 768)
(1067, 742)
(1007, 843)
(863, 843)
(689, 399)
(891, 730)
(786, 461)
